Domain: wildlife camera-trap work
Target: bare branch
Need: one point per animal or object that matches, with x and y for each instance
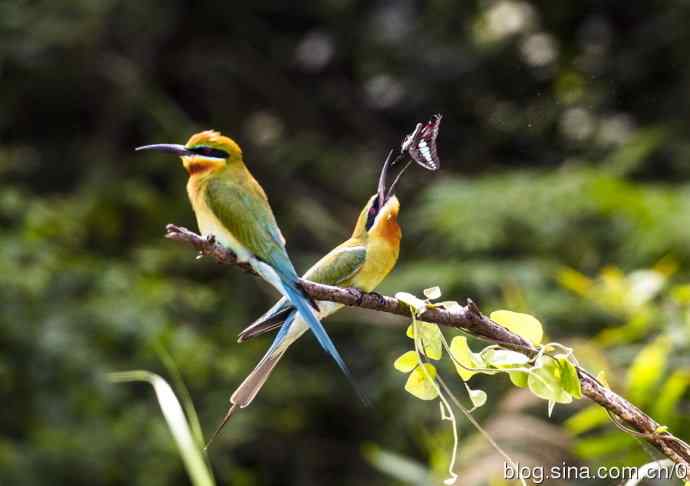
(469, 319)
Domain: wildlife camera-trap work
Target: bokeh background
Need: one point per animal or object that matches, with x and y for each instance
(563, 193)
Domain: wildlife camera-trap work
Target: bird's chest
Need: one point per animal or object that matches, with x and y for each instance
(207, 221)
(381, 258)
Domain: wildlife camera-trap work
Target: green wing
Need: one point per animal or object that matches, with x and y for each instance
(338, 266)
(242, 207)
(335, 268)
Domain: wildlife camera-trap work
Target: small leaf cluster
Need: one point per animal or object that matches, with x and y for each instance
(551, 375)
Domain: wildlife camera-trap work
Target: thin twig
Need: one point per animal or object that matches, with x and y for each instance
(469, 319)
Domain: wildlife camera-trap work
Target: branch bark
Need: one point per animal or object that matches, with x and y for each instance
(469, 319)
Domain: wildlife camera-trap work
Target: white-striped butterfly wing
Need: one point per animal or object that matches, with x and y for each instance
(421, 144)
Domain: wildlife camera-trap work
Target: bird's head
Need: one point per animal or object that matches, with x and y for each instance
(204, 151)
(380, 215)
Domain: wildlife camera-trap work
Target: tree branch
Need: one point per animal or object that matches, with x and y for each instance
(469, 319)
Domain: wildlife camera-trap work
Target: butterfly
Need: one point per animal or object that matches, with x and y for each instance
(421, 143)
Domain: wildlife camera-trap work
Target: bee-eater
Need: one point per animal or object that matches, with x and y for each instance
(231, 205)
(362, 261)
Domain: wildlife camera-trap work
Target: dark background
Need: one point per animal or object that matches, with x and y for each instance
(564, 144)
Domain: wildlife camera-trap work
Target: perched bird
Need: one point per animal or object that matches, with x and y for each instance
(362, 261)
(231, 205)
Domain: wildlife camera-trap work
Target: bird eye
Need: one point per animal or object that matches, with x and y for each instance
(210, 152)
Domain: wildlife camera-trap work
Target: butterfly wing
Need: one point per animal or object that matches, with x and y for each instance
(421, 144)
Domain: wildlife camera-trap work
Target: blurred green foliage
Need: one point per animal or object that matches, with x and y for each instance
(564, 146)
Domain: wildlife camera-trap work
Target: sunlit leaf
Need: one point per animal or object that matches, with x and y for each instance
(524, 325)
(478, 397)
(504, 358)
(407, 362)
(430, 337)
(414, 302)
(545, 381)
(569, 379)
(463, 355)
(647, 369)
(420, 382)
(519, 378)
(432, 293)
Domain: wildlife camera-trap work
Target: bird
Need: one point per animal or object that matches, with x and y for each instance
(232, 207)
(363, 261)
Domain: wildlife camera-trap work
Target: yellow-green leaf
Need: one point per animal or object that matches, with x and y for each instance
(569, 379)
(430, 338)
(647, 369)
(670, 394)
(432, 293)
(407, 362)
(524, 325)
(463, 355)
(420, 382)
(414, 302)
(545, 381)
(519, 378)
(478, 397)
(587, 419)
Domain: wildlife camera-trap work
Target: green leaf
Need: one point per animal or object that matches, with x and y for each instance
(463, 354)
(420, 382)
(669, 396)
(647, 369)
(199, 472)
(524, 325)
(569, 379)
(519, 378)
(504, 358)
(414, 302)
(432, 293)
(407, 362)
(478, 397)
(545, 381)
(587, 419)
(430, 337)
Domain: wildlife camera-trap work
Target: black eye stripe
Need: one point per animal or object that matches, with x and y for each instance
(210, 152)
(371, 216)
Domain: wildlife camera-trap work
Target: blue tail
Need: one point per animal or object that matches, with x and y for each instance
(304, 308)
(309, 315)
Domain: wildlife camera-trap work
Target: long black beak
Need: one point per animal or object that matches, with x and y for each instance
(382, 180)
(172, 148)
(383, 194)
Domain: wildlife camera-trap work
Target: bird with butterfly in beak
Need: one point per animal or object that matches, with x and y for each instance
(362, 262)
(231, 206)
